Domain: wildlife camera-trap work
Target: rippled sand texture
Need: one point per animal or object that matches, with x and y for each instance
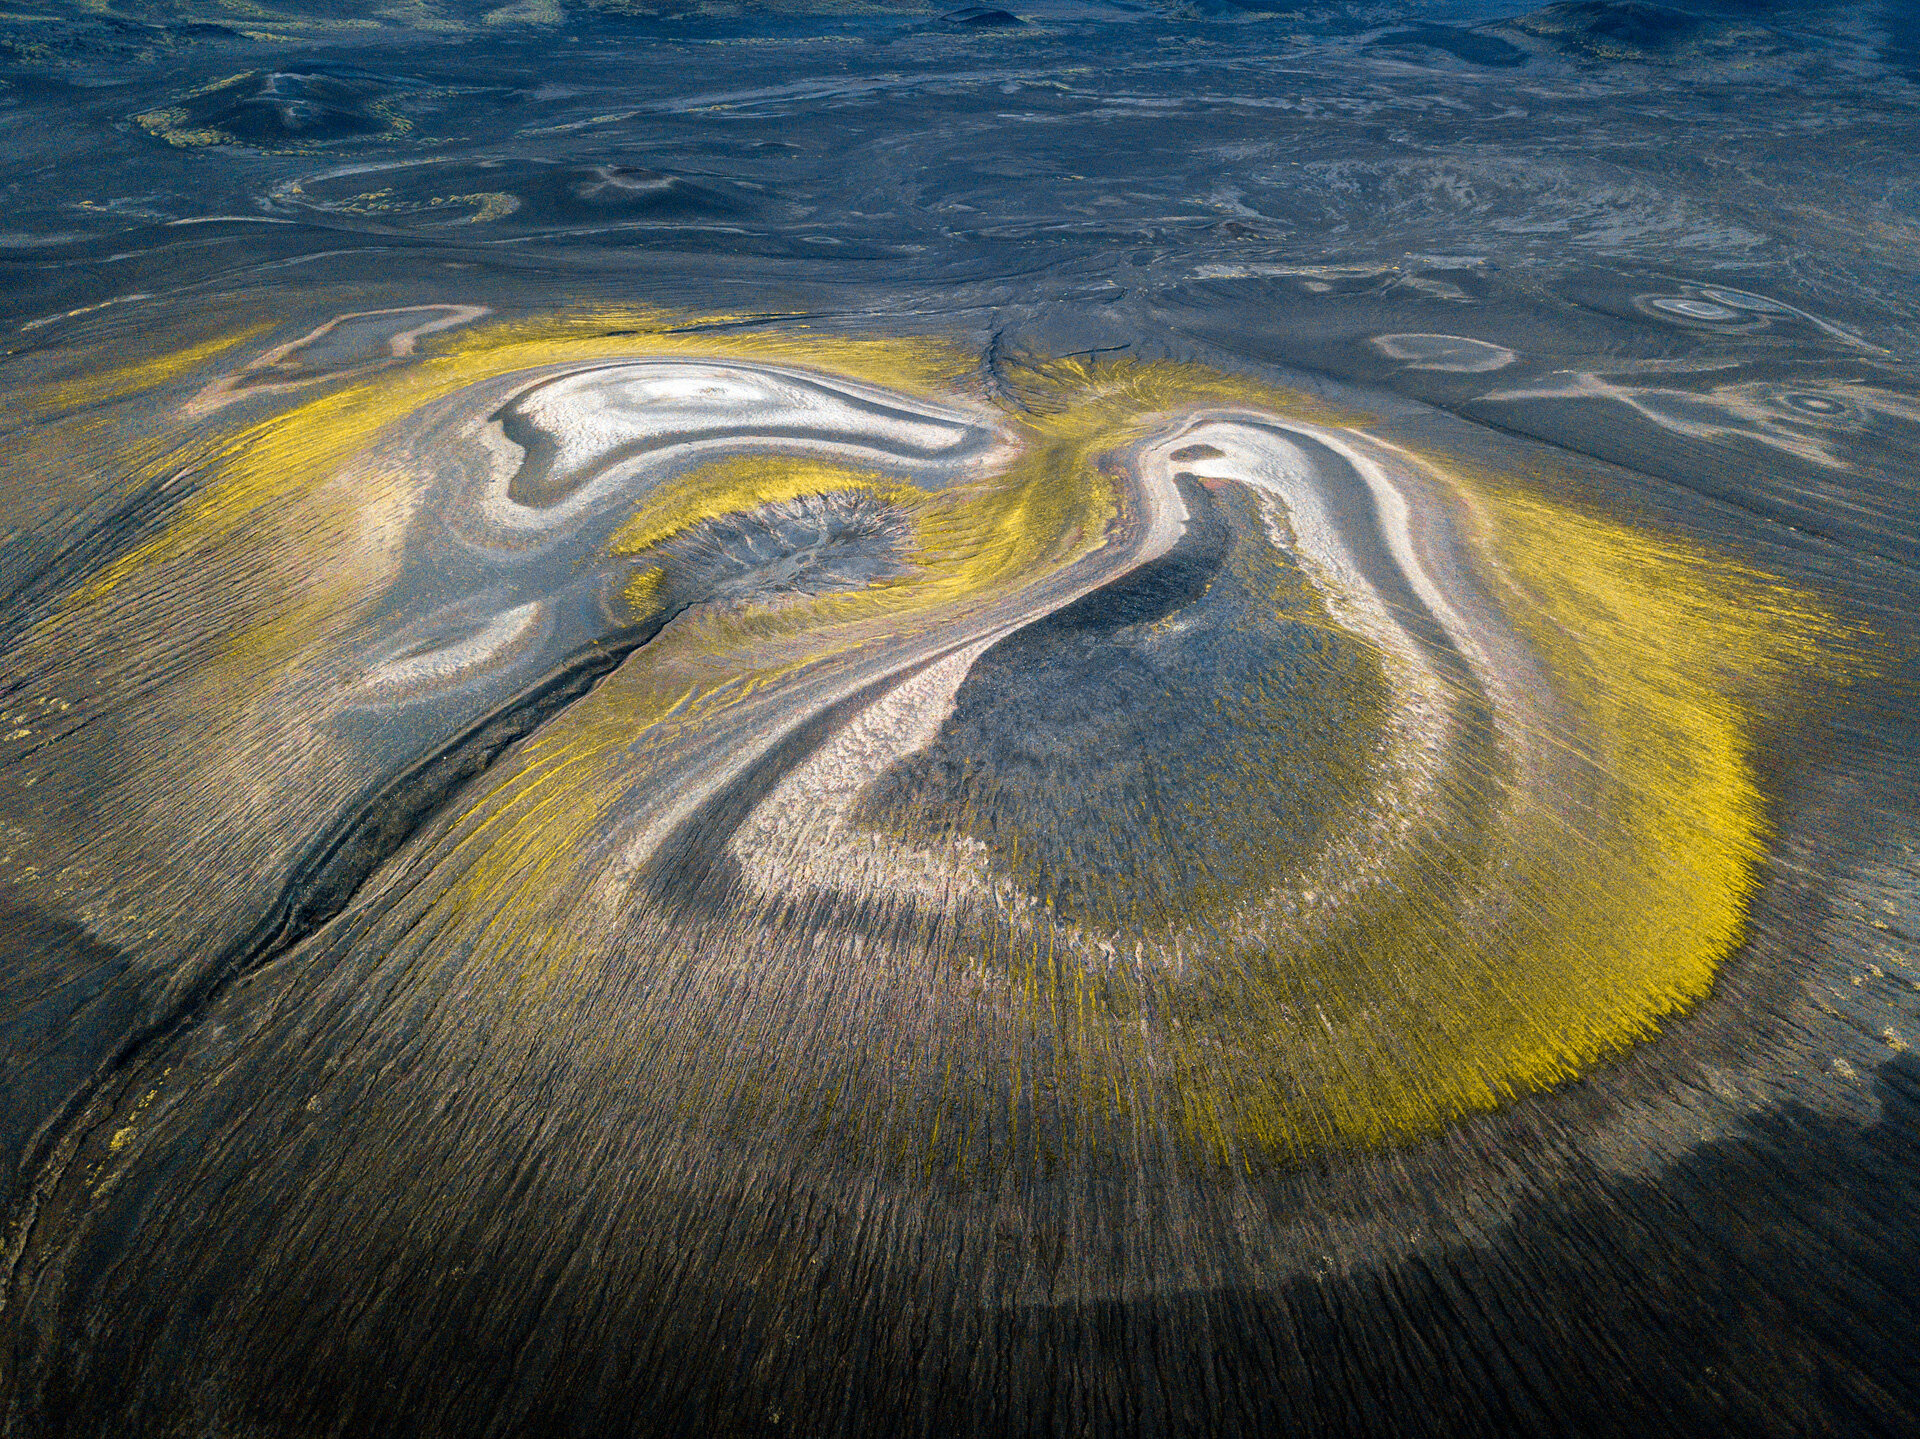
(645, 775)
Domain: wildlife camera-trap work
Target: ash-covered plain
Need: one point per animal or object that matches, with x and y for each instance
(1091, 719)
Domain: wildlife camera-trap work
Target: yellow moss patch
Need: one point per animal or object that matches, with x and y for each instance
(1525, 941)
(1527, 946)
(263, 466)
(29, 401)
(642, 592)
(737, 485)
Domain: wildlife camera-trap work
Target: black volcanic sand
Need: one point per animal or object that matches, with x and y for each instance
(1690, 226)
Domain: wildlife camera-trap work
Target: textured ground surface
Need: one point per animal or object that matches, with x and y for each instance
(1089, 719)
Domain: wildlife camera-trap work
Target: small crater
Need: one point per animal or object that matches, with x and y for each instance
(807, 546)
(278, 110)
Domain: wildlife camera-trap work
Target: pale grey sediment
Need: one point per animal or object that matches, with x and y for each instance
(472, 647)
(1155, 518)
(1455, 354)
(773, 1137)
(343, 345)
(1470, 711)
(588, 434)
